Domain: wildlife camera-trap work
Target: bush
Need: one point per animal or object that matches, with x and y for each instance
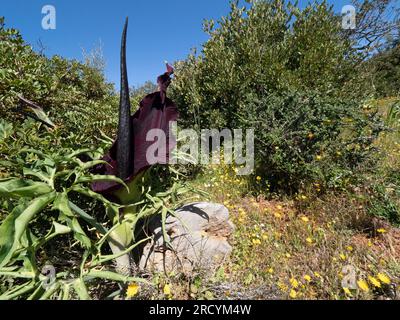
(308, 137)
(291, 75)
(75, 95)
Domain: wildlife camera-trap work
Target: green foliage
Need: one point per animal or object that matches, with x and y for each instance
(303, 137)
(42, 209)
(384, 201)
(47, 205)
(74, 94)
(290, 74)
(137, 93)
(386, 72)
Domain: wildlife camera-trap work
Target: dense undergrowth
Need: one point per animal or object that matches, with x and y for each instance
(323, 203)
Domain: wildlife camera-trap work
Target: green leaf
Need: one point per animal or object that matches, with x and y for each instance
(15, 224)
(56, 229)
(42, 115)
(50, 291)
(109, 275)
(6, 129)
(19, 291)
(61, 203)
(90, 164)
(88, 218)
(13, 187)
(79, 234)
(93, 178)
(110, 205)
(81, 289)
(36, 173)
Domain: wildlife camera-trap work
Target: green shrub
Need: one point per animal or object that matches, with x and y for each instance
(75, 95)
(291, 75)
(308, 137)
(46, 205)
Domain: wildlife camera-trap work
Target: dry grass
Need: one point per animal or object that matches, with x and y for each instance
(302, 248)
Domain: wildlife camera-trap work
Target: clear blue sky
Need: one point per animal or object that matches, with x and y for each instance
(158, 30)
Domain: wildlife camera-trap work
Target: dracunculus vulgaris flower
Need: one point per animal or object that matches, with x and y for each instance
(127, 157)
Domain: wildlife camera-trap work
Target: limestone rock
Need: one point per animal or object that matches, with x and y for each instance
(198, 234)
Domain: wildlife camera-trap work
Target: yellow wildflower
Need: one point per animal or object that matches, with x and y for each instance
(293, 294)
(282, 286)
(279, 207)
(347, 291)
(317, 275)
(270, 270)
(349, 248)
(384, 278)
(381, 230)
(167, 290)
(363, 285)
(305, 219)
(277, 215)
(258, 178)
(318, 157)
(342, 256)
(307, 278)
(309, 240)
(132, 290)
(256, 241)
(374, 281)
(294, 282)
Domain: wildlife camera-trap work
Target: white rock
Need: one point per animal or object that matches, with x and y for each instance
(199, 237)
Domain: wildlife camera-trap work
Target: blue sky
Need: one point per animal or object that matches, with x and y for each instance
(158, 30)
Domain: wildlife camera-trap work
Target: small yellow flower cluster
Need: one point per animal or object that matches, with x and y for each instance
(167, 290)
(304, 219)
(132, 290)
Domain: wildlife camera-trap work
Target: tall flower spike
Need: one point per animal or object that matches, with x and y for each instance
(125, 130)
